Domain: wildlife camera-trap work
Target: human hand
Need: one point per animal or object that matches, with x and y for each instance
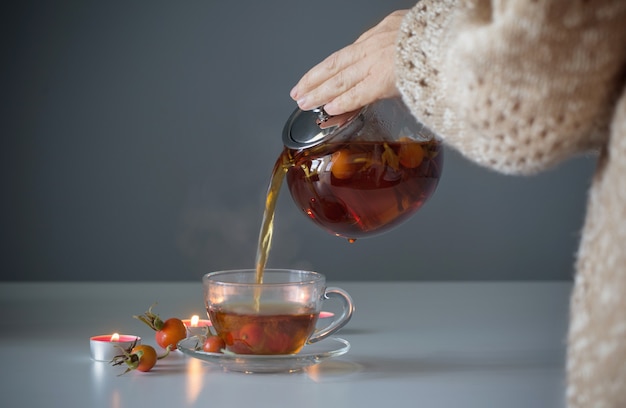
(359, 74)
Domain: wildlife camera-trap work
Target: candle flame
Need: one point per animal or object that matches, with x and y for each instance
(194, 320)
(115, 337)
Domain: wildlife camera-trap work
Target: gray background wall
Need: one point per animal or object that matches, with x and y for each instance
(138, 139)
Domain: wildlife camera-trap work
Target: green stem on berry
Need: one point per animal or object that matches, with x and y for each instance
(151, 319)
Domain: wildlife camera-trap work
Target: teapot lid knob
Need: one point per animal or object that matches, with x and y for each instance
(322, 116)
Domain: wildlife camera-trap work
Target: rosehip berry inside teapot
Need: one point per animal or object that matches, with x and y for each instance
(362, 173)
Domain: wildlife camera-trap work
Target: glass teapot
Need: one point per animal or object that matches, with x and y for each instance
(362, 173)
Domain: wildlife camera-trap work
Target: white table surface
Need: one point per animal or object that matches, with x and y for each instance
(413, 344)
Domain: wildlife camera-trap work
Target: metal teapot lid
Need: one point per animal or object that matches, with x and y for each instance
(308, 128)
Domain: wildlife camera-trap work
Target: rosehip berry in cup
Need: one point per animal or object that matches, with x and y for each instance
(213, 344)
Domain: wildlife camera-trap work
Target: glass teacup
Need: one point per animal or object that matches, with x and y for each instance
(278, 316)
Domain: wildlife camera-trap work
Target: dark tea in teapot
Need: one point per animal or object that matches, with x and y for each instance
(360, 189)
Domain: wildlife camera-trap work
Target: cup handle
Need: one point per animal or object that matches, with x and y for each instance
(339, 322)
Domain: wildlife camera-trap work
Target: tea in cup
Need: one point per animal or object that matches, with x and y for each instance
(277, 316)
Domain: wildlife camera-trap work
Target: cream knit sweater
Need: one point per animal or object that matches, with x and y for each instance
(519, 86)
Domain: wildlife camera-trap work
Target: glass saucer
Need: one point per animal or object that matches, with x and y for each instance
(310, 354)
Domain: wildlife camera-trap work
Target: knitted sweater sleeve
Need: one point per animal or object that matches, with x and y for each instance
(516, 85)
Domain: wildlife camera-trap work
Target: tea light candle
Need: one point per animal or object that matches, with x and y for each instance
(196, 326)
(107, 346)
